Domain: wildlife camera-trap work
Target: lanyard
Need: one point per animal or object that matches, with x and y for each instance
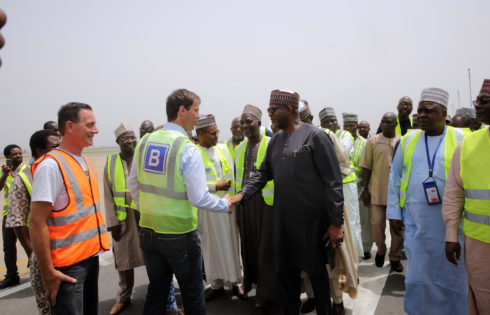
(431, 164)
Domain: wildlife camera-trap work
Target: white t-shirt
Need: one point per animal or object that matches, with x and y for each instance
(48, 185)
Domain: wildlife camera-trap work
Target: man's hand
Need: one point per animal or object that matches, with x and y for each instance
(453, 251)
(116, 232)
(52, 284)
(5, 171)
(223, 185)
(336, 235)
(397, 225)
(366, 198)
(236, 198)
(228, 198)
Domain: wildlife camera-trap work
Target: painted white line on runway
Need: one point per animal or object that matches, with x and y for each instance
(16, 289)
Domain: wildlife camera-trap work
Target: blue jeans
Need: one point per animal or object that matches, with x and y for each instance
(168, 254)
(81, 297)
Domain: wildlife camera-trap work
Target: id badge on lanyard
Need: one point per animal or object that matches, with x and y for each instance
(431, 192)
(430, 186)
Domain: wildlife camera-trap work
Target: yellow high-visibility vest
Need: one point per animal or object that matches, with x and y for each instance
(352, 176)
(210, 170)
(6, 192)
(268, 190)
(475, 154)
(407, 146)
(115, 173)
(163, 202)
(398, 129)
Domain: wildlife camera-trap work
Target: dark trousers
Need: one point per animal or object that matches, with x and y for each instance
(9, 250)
(82, 297)
(168, 254)
(290, 283)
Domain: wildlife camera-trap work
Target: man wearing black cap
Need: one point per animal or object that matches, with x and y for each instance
(308, 201)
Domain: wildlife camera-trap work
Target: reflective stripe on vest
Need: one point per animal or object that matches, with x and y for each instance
(352, 176)
(78, 231)
(231, 148)
(475, 154)
(226, 170)
(25, 175)
(268, 190)
(263, 131)
(6, 192)
(164, 207)
(407, 146)
(115, 173)
(398, 129)
(358, 149)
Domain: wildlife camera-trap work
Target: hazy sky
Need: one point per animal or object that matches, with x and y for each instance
(125, 57)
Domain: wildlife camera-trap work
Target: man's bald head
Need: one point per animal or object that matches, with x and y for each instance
(364, 129)
(461, 121)
(389, 115)
(405, 106)
(388, 124)
(146, 127)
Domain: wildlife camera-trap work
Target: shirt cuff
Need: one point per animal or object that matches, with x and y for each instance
(452, 234)
(394, 214)
(212, 187)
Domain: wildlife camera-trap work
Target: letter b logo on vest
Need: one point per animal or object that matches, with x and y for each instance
(156, 158)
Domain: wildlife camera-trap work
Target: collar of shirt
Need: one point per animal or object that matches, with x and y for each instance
(174, 127)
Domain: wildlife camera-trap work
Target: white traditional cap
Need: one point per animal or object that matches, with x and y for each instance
(326, 111)
(304, 110)
(470, 111)
(435, 95)
(349, 117)
(205, 121)
(123, 127)
(253, 110)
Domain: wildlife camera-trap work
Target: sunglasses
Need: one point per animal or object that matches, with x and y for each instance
(481, 101)
(271, 109)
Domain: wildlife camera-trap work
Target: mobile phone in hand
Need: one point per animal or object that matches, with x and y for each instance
(9, 163)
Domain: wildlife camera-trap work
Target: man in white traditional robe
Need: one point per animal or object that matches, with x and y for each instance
(218, 231)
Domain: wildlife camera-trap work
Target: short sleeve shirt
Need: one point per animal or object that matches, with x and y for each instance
(48, 182)
(19, 201)
(377, 157)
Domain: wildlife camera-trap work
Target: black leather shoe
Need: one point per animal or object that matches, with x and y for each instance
(9, 282)
(367, 255)
(307, 306)
(396, 266)
(210, 294)
(238, 292)
(379, 260)
(338, 309)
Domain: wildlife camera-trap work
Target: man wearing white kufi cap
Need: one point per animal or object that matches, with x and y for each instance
(218, 231)
(416, 186)
(122, 217)
(362, 221)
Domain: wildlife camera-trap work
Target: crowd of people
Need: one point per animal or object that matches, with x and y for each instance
(285, 211)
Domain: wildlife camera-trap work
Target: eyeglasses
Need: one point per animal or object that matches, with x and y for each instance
(213, 133)
(405, 104)
(272, 109)
(481, 101)
(129, 138)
